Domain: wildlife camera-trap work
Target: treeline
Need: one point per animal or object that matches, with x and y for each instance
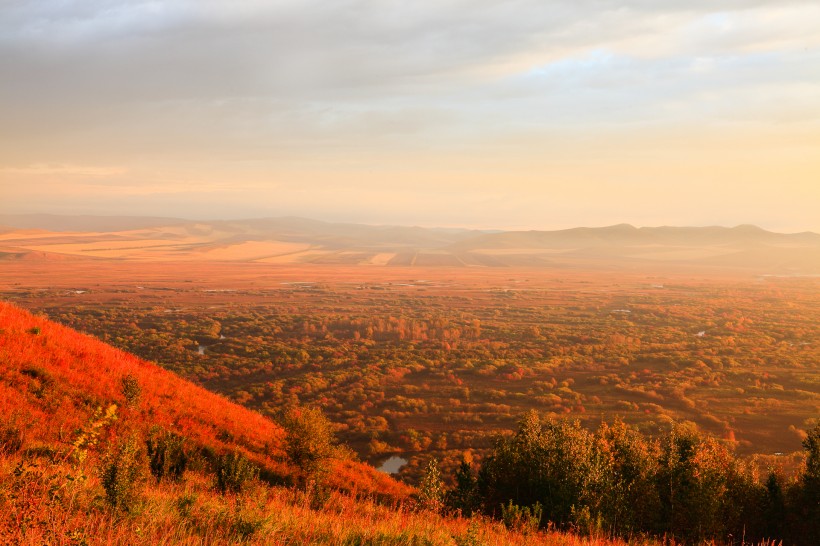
(684, 484)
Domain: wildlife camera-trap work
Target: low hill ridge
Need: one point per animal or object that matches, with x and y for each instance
(298, 241)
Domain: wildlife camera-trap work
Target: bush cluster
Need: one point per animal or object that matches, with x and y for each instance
(685, 485)
(167, 455)
(233, 472)
(123, 472)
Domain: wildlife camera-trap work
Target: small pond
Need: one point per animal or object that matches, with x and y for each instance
(392, 465)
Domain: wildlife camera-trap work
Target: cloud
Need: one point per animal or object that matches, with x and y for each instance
(124, 51)
(315, 91)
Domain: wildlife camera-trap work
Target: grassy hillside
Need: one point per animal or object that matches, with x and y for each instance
(54, 379)
(75, 415)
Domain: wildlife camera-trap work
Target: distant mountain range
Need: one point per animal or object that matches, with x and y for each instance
(299, 240)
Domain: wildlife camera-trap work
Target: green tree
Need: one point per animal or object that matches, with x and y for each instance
(464, 495)
(627, 499)
(811, 475)
(774, 507)
(804, 499)
(692, 483)
(546, 462)
(309, 443)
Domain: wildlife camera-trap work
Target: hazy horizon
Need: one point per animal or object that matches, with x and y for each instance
(483, 228)
(43, 220)
(533, 115)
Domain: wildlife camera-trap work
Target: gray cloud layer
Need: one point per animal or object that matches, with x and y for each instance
(267, 81)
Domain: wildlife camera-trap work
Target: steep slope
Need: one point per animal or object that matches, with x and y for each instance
(53, 379)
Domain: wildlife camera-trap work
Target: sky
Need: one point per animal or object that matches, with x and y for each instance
(519, 114)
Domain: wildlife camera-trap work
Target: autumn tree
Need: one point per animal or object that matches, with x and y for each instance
(627, 499)
(693, 478)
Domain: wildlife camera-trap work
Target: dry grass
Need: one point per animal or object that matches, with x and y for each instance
(44, 504)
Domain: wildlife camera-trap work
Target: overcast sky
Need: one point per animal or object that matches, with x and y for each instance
(520, 114)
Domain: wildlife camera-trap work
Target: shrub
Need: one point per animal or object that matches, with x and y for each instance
(42, 380)
(233, 472)
(471, 536)
(131, 390)
(521, 519)
(89, 435)
(318, 496)
(431, 488)
(11, 436)
(123, 471)
(246, 524)
(167, 457)
(185, 503)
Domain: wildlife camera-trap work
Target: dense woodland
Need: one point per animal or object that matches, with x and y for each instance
(97, 446)
(654, 473)
(437, 367)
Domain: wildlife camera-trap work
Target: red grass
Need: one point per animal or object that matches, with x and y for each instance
(53, 378)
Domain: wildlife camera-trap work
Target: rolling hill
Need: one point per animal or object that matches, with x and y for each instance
(287, 241)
